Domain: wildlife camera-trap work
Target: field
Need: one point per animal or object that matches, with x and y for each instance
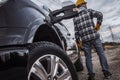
(113, 57)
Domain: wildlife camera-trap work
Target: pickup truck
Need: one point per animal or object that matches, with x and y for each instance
(33, 45)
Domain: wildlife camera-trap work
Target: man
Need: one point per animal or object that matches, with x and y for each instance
(86, 30)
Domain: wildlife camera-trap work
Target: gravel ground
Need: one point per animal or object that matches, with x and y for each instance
(113, 57)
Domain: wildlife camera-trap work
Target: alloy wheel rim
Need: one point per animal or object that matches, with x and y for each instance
(49, 67)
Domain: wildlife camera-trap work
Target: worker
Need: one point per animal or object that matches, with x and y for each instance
(86, 31)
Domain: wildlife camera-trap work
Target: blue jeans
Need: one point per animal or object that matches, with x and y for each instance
(87, 46)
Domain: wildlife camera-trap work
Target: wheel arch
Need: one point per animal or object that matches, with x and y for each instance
(47, 33)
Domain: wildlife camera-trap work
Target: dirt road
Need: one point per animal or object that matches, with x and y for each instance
(113, 57)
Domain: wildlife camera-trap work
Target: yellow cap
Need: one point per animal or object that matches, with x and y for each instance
(80, 2)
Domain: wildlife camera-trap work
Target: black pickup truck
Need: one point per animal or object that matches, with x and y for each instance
(35, 45)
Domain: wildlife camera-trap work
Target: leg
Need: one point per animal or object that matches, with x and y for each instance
(103, 61)
(99, 48)
(87, 49)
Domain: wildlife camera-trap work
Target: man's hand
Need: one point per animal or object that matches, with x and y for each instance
(75, 9)
(97, 27)
(79, 43)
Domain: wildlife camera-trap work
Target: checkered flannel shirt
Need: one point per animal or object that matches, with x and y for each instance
(84, 24)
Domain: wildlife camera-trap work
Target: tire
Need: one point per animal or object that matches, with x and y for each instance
(79, 64)
(47, 61)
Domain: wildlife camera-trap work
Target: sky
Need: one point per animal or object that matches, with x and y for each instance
(109, 8)
(111, 16)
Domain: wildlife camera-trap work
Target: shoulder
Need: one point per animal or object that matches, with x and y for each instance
(90, 10)
(95, 11)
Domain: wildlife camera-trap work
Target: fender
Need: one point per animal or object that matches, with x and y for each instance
(32, 29)
(37, 26)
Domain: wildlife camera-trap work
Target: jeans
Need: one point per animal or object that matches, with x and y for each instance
(97, 44)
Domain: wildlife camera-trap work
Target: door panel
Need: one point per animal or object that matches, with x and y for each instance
(11, 36)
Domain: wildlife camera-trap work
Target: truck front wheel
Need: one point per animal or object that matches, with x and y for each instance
(47, 61)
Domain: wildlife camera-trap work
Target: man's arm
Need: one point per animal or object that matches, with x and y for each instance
(98, 15)
(76, 29)
(77, 36)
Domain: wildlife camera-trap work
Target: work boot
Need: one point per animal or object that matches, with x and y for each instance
(107, 74)
(91, 77)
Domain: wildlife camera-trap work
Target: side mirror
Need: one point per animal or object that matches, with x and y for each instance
(67, 12)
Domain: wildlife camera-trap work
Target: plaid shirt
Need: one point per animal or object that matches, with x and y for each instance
(84, 24)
